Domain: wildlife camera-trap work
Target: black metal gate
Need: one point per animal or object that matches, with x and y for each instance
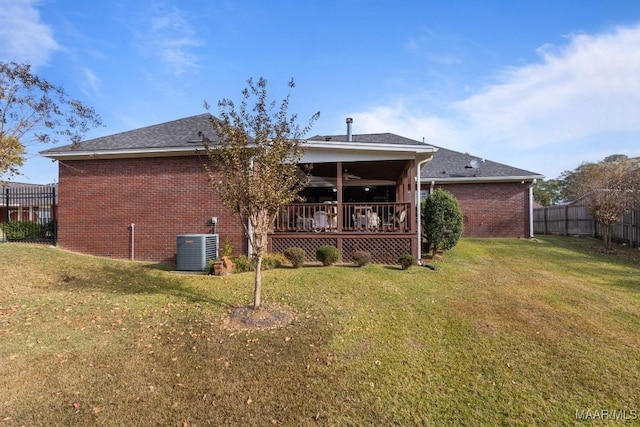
(28, 213)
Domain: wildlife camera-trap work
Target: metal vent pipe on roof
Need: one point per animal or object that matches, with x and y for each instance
(349, 134)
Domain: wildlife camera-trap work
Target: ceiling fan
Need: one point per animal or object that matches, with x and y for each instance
(347, 176)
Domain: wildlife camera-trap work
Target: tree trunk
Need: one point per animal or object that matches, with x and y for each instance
(606, 235)
(258, 283)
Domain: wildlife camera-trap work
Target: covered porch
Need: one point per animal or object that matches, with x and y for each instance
(356, 205)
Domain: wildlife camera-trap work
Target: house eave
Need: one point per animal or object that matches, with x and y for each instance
(368, 150)
(362, 146)
(481, 179)
(321, 151)
(121, 154)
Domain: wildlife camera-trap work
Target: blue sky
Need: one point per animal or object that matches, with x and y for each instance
(540, 85)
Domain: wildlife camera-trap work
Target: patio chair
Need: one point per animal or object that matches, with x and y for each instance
(304, 223)
(359, 221)
(401, 219)
(320, 220)
(396, 222)
(374, 221)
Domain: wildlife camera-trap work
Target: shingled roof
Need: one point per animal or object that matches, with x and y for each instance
(174, 134)
(449, 165)
(183, 134)
(370, 138)
(446, 165)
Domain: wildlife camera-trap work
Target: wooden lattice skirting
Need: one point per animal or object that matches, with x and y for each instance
(384, 250)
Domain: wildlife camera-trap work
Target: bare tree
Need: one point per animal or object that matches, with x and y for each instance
(609, 189)
(255, 163)
(33, 110)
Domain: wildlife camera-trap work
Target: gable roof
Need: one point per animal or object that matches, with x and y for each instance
(453, 166)
(176, 135)
(181, 137)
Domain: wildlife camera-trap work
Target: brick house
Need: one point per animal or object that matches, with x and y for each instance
(496, 199)
(129, 195)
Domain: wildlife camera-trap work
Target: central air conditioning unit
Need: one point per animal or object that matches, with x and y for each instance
(194, 251)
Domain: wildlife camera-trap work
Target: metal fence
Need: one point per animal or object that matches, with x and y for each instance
(576, 221)
(28, 214)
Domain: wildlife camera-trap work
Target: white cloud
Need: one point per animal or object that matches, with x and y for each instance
(589, 86)
(401, 119)
(91, 83)
(171, 38)
(23, 37)
(580, 99)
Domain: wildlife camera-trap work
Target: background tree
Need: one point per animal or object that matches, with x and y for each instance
(609, 189)
(548, 192)
(255, 163)
(34, 110)
(559, 190)
(442, 221)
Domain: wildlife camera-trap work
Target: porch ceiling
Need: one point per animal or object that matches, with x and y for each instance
(389, 170)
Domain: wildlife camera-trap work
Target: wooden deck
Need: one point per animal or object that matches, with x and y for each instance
(345, 217)
(384, 229)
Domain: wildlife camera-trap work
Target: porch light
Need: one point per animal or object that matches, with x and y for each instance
(366, 188)
(334, 189)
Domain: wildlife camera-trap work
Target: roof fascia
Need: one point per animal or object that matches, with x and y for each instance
(481, 180)
(350, 152)
(131, 153)
(404, 151)
(365, 146)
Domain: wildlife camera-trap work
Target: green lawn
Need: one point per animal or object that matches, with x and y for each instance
(505, 332)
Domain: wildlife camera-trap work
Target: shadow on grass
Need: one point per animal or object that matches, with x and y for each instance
(141, 280)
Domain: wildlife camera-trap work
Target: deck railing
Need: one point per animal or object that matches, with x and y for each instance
(345, 218)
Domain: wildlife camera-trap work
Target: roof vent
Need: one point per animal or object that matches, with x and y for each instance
(349, 134)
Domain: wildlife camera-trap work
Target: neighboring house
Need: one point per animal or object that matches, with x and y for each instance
(130, 194)
(28, 202)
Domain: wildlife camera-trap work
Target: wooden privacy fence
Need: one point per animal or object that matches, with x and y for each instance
(576, 221)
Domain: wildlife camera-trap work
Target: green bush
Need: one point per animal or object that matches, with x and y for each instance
(327, 255)
(295, 256)
(406, 261)
(226, 248)
(209, 270)
(241, 263)
(442, 222)
(271, 261)
(23, 230)
(361, 258)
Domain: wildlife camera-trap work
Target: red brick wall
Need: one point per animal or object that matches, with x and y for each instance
(163, 197)
(493, 209)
